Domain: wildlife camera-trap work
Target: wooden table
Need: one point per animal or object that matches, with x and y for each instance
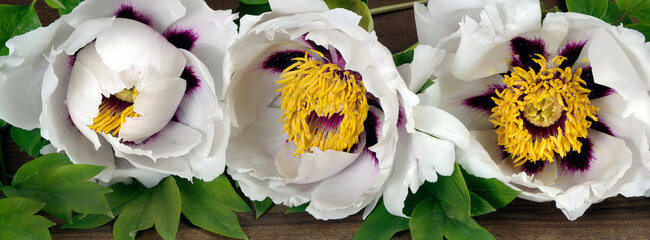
(615, 218)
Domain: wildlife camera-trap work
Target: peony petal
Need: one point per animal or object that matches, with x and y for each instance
(157, 102)
(611, 160)
(21, 74)
(85, 34)
(208, 34)
(284, 7)
(253, 88)
(404, 175)
(174, 140)
(611, 67)
(312, 166)
(59, 129)
(347, 192)
(435, 156)
(484, 46)
(440, 18)
(441, 124)
(156, 13)
(254, 150)
(140, 49)
(483, 155)
(425, 59)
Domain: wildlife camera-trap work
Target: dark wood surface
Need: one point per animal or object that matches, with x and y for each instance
(615, 218)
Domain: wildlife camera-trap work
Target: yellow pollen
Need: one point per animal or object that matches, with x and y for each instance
(113, 112)
(322, 105)
(542, 99)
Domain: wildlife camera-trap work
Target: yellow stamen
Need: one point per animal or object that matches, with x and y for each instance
(542, 98)
(113, 112)
(322, 105)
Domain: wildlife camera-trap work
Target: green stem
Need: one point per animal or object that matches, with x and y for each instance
(394, 7)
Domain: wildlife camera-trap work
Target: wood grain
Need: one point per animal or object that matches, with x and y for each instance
(615, 218)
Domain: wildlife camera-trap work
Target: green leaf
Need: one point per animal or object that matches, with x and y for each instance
(479, 205)
(210, 205)
(3, 124)
(596, 8)
(17, 219)
(254, 2)
(62, 186)
(641, 27)
(16, 20)
(121, 195)
(297, 209)
(356, 6)
(451, 191)
(404, 57)
(30, 142)
(381, 224)
(262, 206)
(491, 190)
(430, 220)
(64, 6)
(614, 15)
(159, 206)
(252, 9)
(639, 9)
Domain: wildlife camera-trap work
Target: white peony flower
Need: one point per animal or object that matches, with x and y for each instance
(317, 108)
(125, 84)
(560, 107)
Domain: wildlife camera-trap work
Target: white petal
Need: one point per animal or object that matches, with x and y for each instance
(159, 13)
(85, 33)
(130, 45)
(435, 156)
(485, 45)
(58, 128)
(199, 107)
(483, 155)
(174, 140)
(442, 125)
(125, 171)
(215, 31)
(312, 166)
(253, 88)
(425, 59)
(21, 73)
(346, 193)
(440, 19)
(178, 166)
(84, 95)
(287, 7)
(255, 149)
(157, 102)
(613, 68)
(258, 190)
(404, 174)
(611, 160)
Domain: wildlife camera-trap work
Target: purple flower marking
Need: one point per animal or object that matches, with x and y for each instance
(126, 11)
(182, 38)
(578, 161)
(524, 51)
(531, 168)
(484, 102)
(571, 51)
(192, 81)
(278, 61)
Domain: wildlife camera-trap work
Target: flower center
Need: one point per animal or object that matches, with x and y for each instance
(322, 105)
(540, 114)
(114, 110)
(543, 113)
